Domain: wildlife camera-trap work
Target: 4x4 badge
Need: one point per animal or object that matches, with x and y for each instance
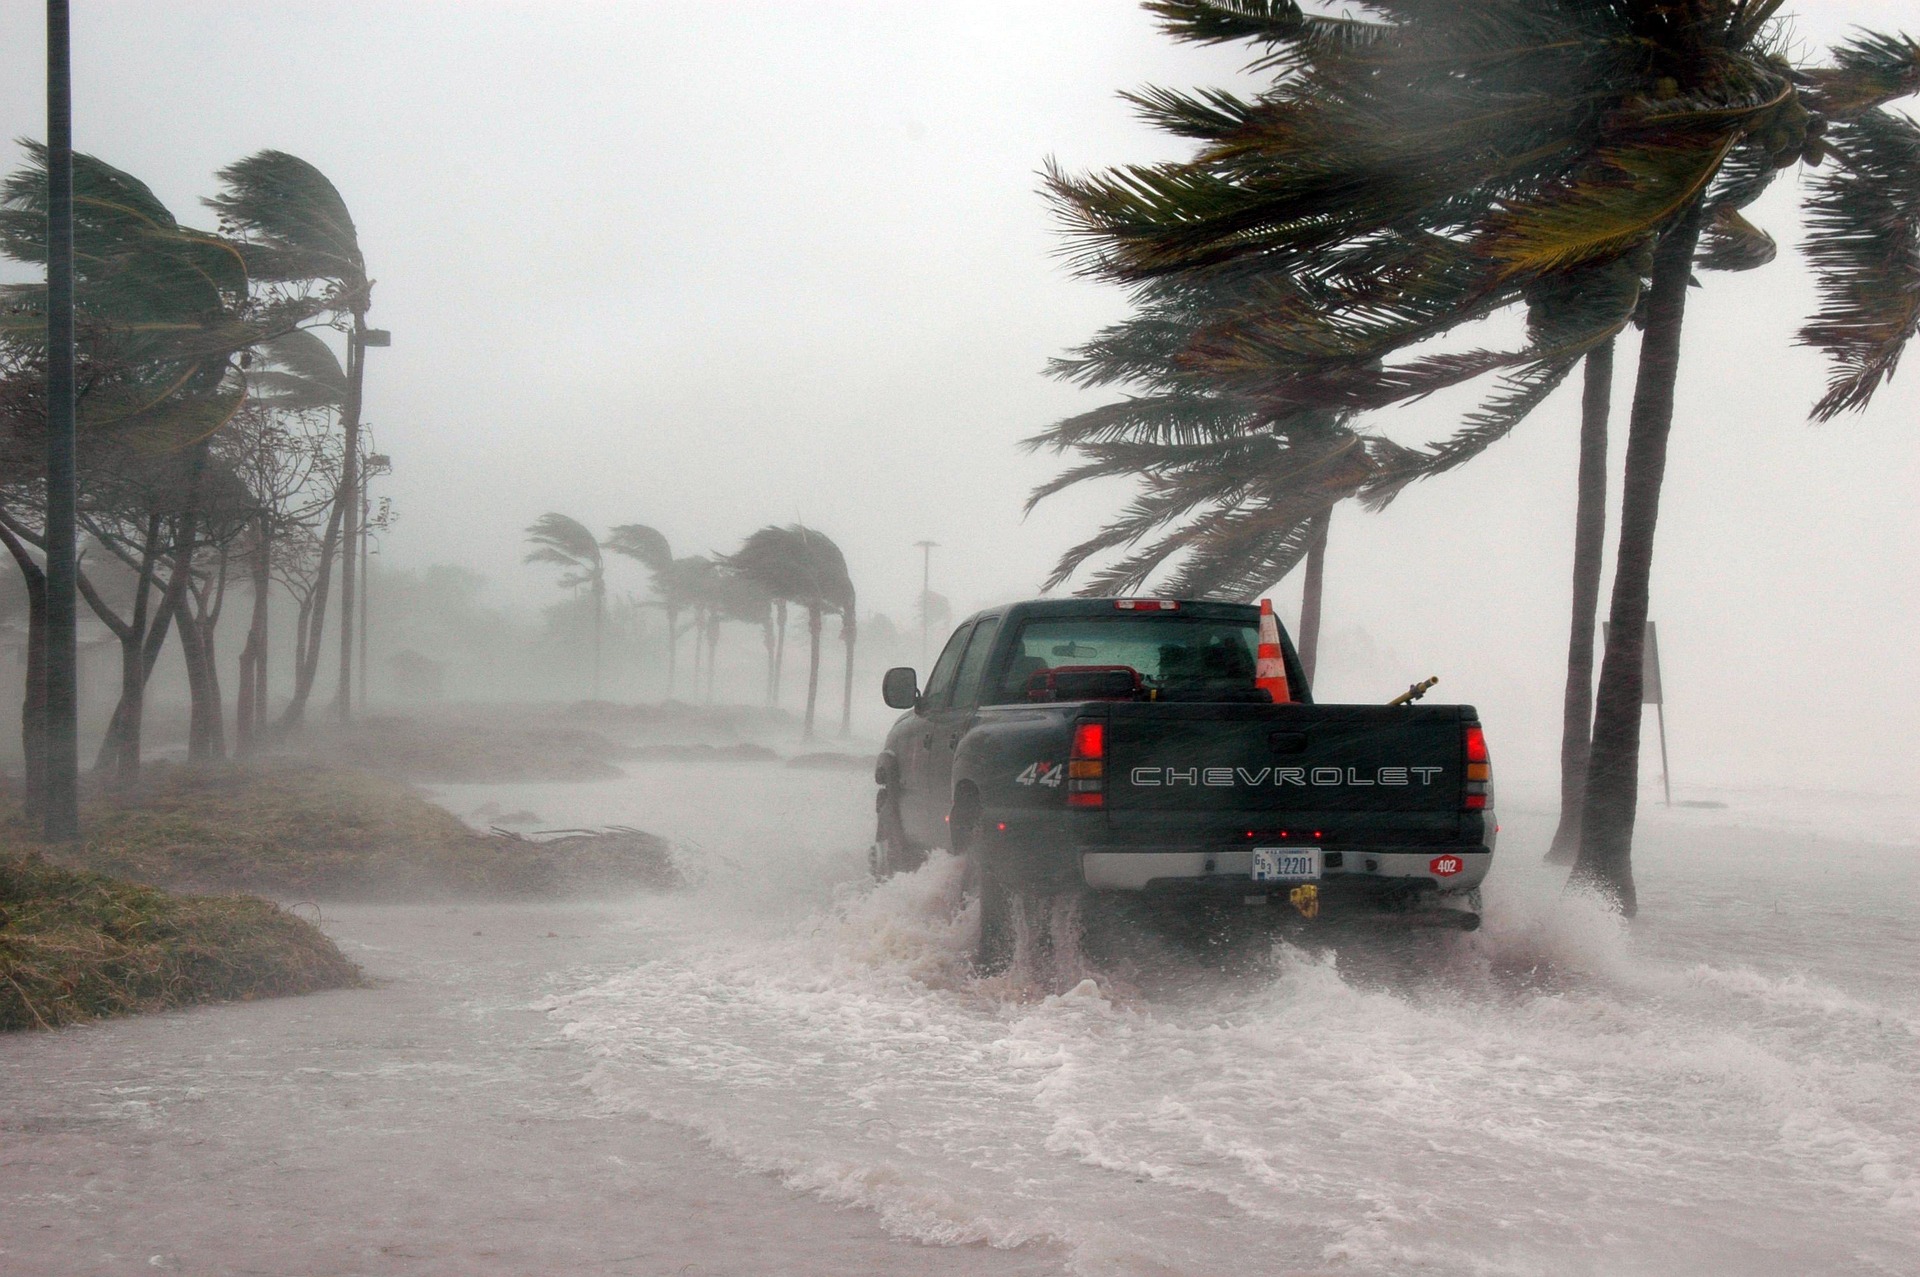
(1049, 774)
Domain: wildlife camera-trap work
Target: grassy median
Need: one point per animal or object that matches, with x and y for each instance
(76, 946)
(299, 831)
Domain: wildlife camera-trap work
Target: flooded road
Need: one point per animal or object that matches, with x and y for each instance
(1731, 1084)
(705, 1081)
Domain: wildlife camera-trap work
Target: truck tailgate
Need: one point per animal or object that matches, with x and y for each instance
(1269, 766)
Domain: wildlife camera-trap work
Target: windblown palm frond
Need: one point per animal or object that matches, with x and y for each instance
(639, 542)
(1864, 244)
(297, 371)
(797, 564)
(293, 223)
(566, 542)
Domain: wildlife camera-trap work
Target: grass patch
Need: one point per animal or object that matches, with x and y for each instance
(300, 831)
(76, 946)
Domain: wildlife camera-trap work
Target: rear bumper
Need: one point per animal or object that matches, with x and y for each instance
(1384, 870)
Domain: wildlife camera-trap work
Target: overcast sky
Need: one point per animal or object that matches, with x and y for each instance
(712, 266)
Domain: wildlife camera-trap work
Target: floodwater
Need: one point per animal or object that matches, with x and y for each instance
(1728, 1085)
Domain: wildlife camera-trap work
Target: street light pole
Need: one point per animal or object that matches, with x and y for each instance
(60, 736)
(926, 591)
(359, 338)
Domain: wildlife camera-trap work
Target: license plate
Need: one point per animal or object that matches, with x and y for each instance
(1286, 864)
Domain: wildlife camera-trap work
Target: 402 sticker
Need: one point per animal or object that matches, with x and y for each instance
(1049, 774)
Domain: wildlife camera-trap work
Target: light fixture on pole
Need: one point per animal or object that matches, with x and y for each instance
(926, 597)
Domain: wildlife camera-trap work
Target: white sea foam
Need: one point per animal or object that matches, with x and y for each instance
(1560, 1092)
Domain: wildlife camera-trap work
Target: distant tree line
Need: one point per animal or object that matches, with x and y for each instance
(775, 568)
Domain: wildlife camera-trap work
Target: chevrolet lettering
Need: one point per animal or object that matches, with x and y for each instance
(1173, 748)
(1226, 777)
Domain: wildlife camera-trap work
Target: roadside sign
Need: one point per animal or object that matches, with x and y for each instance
(1651, 693)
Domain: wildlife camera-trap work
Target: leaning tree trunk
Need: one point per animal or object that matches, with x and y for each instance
(33, 701)
(1589, 538)
(249, 696)
(847, 634)
(813, 669)
(1613, 770)
(140, 648)
(203, 695)
(315, 610)
(1312, 593)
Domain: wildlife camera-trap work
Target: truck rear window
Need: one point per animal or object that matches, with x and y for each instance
(1174, 655)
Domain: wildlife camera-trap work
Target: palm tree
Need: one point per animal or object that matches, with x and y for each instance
(733, 596)
(559, 540)
(682, 585)
(1454, 158)
(296, 230)
(165, 313)
(798, 565)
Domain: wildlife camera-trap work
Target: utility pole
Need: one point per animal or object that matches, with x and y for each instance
(359, 338)
(61, 738)
(926, 591)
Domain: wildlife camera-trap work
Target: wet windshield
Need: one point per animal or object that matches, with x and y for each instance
(1170, 653)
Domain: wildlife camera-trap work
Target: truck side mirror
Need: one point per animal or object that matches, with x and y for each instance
(900, 688)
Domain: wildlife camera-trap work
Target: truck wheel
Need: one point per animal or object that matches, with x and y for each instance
(892, 853)
(993, 950)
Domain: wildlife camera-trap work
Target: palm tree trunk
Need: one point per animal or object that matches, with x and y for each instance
(1589, 545)
(813, 669)
(599, 620)
(713, 650)
(766, 637)
(1312, 593)
(673, 646)
(779, 648)
(1613, 770)
(847, 635)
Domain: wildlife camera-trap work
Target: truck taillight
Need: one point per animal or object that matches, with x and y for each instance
(1147, 605)
(1086, 766)
(1478, 795)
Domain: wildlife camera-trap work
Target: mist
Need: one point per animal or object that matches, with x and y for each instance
(711, 271)
(629, 979)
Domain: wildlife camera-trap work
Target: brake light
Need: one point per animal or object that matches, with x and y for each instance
(1478, 794)
(1147, 605)
(1087, 766)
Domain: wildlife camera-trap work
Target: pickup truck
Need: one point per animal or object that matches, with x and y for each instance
(1126, 745)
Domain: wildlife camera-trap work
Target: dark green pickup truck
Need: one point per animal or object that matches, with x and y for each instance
(1124, 745)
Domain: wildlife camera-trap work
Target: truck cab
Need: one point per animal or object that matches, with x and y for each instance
(1127, 745)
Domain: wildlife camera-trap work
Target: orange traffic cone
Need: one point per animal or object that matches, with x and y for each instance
(1270, 668)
